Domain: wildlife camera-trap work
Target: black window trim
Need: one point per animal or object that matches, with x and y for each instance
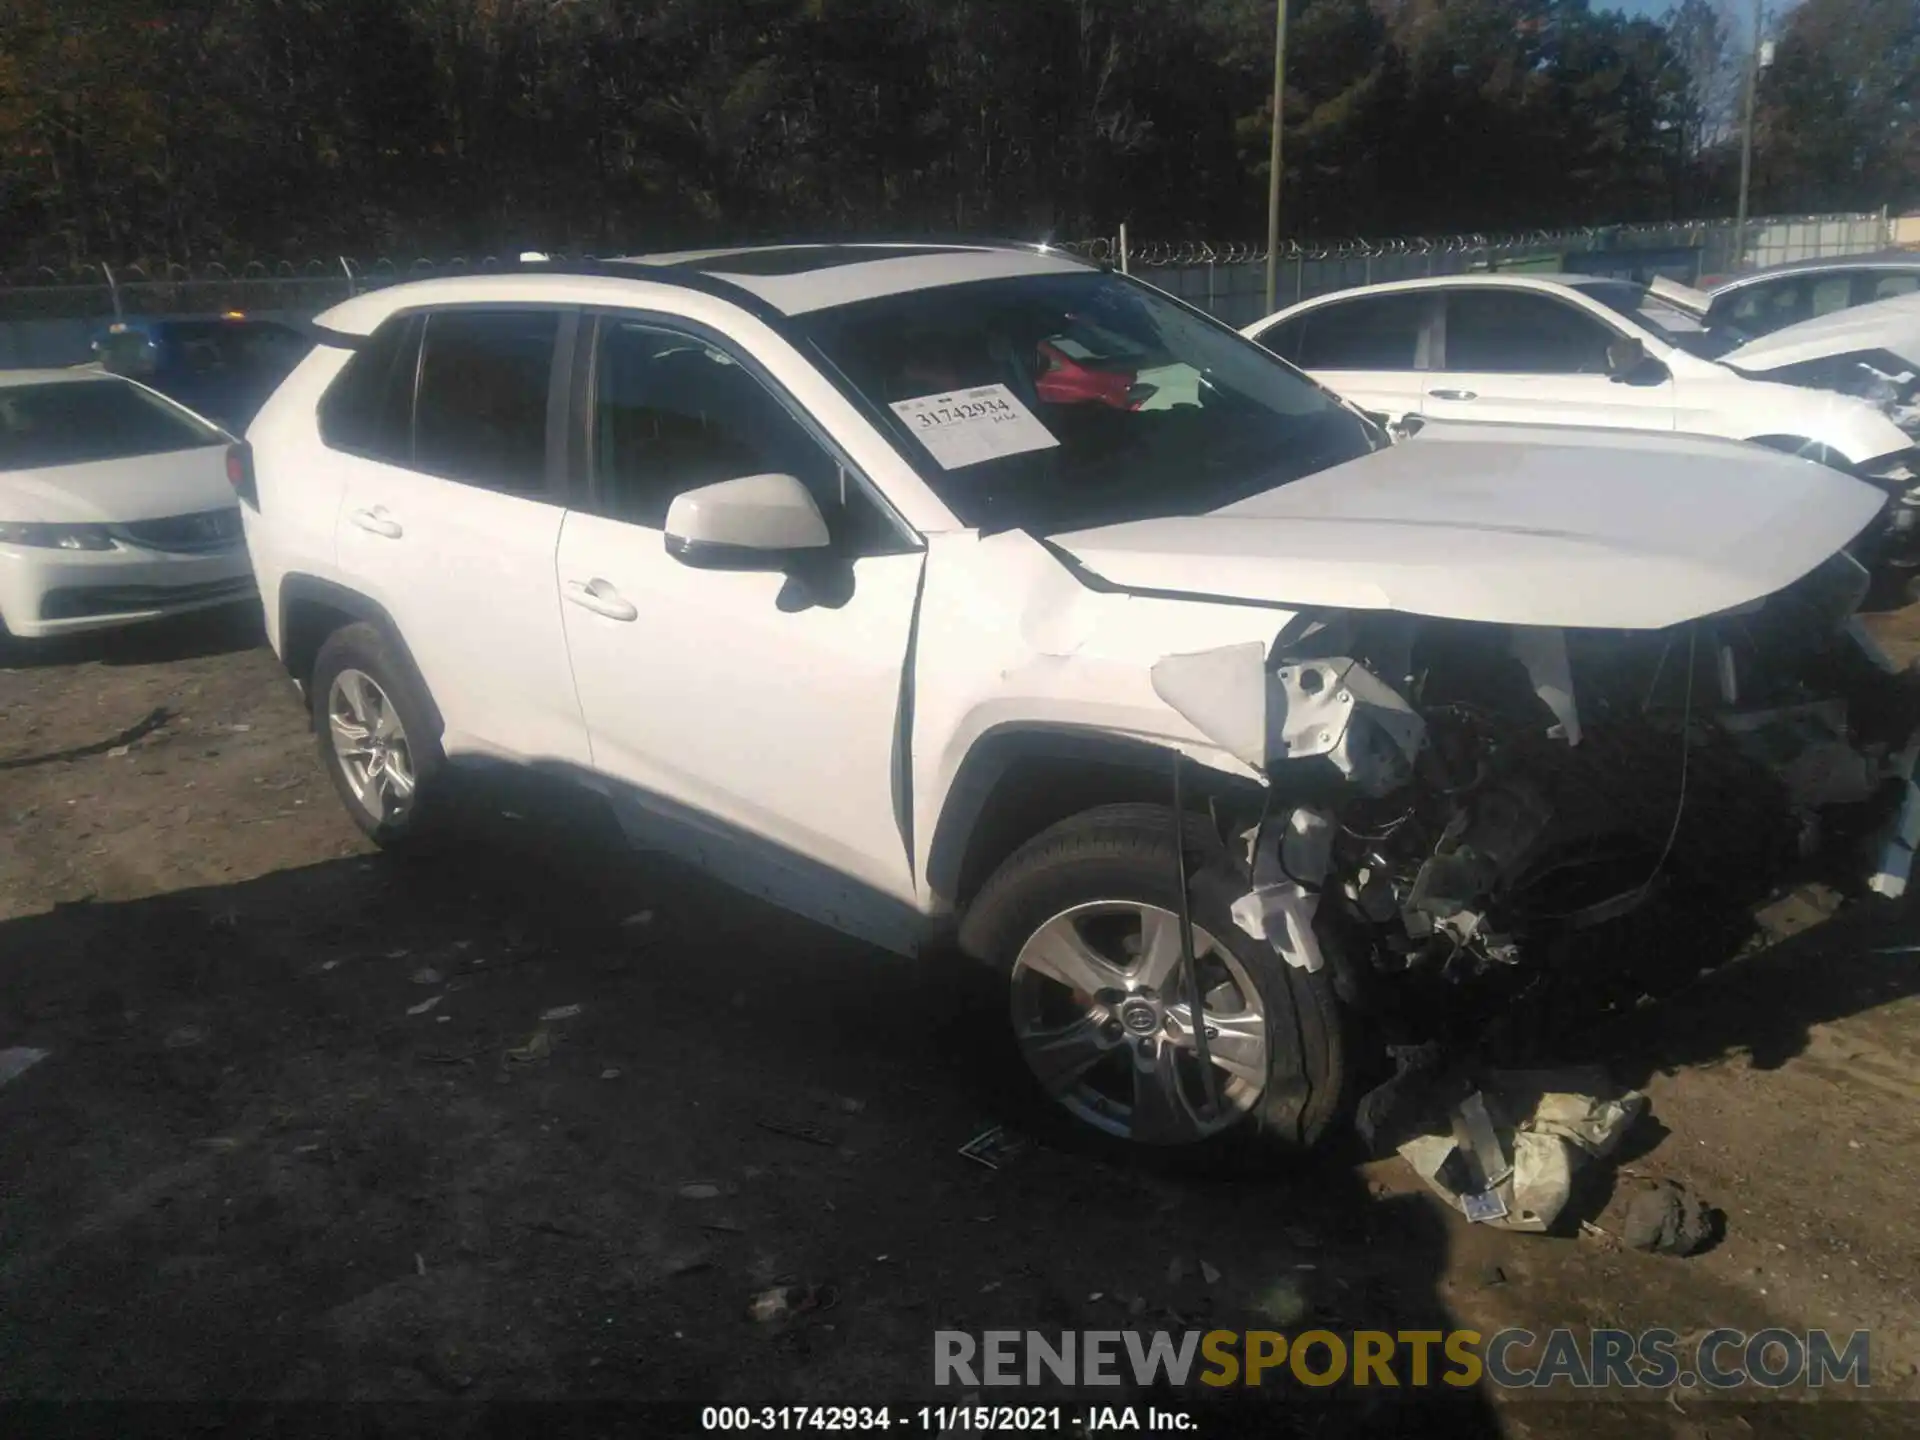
(1439, 322)
(585, 391)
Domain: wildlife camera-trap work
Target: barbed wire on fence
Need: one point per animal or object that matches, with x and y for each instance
(351, 273)
(1588, 237)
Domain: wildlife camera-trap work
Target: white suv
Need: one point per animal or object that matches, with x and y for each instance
(889, 582)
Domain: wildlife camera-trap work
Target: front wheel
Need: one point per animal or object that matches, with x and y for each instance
(1084, 922)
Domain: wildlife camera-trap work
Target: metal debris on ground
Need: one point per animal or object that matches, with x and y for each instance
(1668, 1219)
(785, 1301)
(993, 1147)
(561, 1012)
(1515, 1144)
(425, 1005)
(637, 920)
(185, 1037)
(699, 1190)
(538, 1047)
(610, 1073)
(812, 1134)
(425, 975)
(16, 1061)
(1209, 1273)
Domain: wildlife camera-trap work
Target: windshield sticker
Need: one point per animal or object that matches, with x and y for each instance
(965, 427)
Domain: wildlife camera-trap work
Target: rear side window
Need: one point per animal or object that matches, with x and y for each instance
(368, 410)
(481, 412)
(1886, 287)
(75, 422)
(1381, 333)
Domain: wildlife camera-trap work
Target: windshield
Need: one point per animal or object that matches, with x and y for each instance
(73, 422)
(1677, 327)
(1057, 402)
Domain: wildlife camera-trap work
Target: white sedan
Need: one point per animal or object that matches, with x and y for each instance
(115, 506)
(1582, 350)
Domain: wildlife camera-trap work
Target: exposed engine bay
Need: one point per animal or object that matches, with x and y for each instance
(1483, 813)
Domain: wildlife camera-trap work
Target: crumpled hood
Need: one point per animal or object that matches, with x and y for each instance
(144, 487)
(1518, 525)
(1890, 325)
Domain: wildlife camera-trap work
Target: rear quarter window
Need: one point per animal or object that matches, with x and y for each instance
(368, 410)
(78, 422)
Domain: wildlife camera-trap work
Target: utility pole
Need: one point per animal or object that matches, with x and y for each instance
(1746, 140)
(1273, 161)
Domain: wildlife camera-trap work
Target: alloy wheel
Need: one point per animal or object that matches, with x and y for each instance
(1100, 1012)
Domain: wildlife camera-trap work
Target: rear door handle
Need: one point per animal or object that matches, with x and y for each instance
(601, 598)
(1453, 394)
(377, 522)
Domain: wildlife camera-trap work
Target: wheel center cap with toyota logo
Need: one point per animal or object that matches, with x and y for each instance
(1141, 1017)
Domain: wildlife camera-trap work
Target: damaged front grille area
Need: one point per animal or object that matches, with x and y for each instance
(1494, 804)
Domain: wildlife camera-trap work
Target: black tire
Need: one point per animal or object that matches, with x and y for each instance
(365, 648)
(1125, 853)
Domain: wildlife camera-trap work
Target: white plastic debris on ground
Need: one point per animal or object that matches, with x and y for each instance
(1517, 1143)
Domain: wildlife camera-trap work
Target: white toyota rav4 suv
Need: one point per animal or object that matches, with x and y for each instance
(920, 587)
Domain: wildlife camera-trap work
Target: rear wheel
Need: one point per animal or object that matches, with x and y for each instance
(374, 740)
(1084, 921)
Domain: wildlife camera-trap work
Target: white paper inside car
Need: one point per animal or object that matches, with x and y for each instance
(964, 427)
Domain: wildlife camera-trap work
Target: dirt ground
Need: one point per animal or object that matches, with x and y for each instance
(303, 1133)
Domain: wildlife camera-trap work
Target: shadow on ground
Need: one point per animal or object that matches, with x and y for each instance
(309, 1137)
(192, 636)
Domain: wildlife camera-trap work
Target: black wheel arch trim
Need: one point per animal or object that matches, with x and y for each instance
(987, 781)
(297, 588)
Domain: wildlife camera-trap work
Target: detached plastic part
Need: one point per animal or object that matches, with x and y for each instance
(1470, 1169)
(1334, 707)
(1280, 907)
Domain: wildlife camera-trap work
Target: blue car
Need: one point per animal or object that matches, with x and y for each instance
(222, 366)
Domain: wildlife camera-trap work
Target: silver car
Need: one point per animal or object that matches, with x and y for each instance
(1782, 295)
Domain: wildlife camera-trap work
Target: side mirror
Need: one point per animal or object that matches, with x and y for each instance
(1625, 355)
(758, 522)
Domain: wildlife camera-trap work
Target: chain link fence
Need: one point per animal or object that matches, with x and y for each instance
(1229, 281)
(49, 317)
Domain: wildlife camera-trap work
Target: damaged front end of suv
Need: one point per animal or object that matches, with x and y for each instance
(1486, 831)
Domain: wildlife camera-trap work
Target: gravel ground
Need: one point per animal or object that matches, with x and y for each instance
(304, 1134)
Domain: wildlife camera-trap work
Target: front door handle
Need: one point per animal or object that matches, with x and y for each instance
(601, 598)
(377, 522)
(1453, 394)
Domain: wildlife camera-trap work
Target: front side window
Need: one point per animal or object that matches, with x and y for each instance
(1055, 401)
(673, 412)
(75, 422)
(1522, 332)
(480, 413)
(368, 410)
(1380, 333)
(1885, 287)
